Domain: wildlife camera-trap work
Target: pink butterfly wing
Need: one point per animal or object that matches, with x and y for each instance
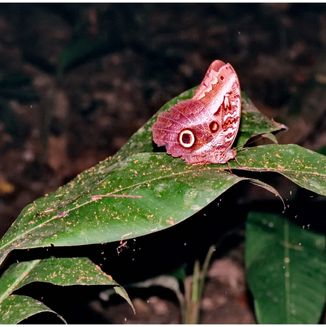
(209, 121)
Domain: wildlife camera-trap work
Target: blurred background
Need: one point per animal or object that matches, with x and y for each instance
(77, 80)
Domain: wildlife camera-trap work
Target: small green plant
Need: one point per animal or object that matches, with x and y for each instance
(194, 288)
(139, 191)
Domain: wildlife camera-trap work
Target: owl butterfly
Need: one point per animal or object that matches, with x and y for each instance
(202, 129)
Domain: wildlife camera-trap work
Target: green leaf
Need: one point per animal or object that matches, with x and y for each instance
(253, 123)
(58, 271)
(16, 308)
(286, 270)
(302, 166)
(142, 194)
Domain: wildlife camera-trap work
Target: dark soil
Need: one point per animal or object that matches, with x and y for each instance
(77, 80)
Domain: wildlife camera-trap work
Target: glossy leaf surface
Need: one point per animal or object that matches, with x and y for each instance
(142, 194)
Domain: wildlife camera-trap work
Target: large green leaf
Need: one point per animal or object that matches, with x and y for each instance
(142, 194)
(58, 271)
(302, 166)
(286, 270)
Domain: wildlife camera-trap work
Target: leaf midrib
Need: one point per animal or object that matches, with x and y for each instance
(286, 262)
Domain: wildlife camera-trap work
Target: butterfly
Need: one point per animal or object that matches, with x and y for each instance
(202, 129)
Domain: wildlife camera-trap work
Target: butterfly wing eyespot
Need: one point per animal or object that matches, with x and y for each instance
(186, 138)
(214, 126)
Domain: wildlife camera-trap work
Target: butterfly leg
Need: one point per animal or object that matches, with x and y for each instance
(229, 168)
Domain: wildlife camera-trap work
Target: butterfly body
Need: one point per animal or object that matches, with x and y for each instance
(202, 129)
